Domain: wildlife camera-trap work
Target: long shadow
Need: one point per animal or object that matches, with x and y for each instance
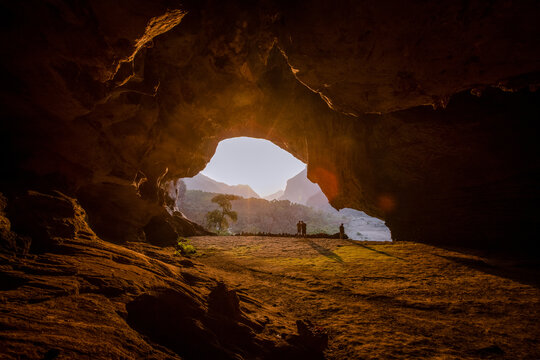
(324, 251)
(523, 272)
(356, 243)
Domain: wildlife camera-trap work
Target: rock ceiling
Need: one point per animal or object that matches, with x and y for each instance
(423, 114)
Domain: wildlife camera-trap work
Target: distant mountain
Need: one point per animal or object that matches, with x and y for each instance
(274, 196)
(320, 201)
(204, 183)
(259, 215)
(299, 189)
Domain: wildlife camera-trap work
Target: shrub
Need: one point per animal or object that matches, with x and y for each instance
(184, 248)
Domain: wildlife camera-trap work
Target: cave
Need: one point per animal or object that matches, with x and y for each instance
(424, 115)
(271, 195)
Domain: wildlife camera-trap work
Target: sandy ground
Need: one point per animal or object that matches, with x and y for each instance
(385, 300)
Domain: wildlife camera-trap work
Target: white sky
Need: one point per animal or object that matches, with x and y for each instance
(255, 162)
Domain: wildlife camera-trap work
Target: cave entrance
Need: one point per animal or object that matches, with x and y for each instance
(273, 192)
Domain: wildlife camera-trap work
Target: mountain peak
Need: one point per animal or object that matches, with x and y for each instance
(299, 189)
(204, 183)
(274, 196)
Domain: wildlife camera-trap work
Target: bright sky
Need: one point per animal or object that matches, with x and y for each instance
(256, 162)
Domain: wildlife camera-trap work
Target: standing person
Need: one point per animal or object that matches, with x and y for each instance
(299, 228)
(341, 231)
(304, 229)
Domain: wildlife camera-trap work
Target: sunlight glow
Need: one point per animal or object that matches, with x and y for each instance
(255, 162)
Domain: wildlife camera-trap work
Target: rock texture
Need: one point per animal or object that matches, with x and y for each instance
(85, 297)
(421, 114)
(364, 56)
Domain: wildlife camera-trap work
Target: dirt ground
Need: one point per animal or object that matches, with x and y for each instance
(384, 300)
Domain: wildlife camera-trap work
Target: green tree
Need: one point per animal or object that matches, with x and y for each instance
(217, 219)
(259, 215)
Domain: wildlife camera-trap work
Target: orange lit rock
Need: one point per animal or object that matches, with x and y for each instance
(89, 107)
(424, 114)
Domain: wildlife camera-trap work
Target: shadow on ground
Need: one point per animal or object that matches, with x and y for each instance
(524, 272)
(356, 243)
(324, 251)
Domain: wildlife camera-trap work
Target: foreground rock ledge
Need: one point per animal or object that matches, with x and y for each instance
(87, 297)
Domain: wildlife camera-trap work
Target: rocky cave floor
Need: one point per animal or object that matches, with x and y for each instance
(87, 298)
(65, 293)
(387, 300)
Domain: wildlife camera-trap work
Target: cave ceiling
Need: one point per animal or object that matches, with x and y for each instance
(421, 113)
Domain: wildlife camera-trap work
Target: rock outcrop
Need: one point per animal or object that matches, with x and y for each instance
(91, 298)
(422, 114)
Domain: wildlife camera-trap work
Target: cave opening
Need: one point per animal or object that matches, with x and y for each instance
(422, 114)
(274, 193)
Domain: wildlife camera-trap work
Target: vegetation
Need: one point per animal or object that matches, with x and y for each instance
(217, 219)
(261, 216)
(184, 248)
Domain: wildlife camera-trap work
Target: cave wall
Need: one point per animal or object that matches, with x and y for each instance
(383, 56)
(423, 115)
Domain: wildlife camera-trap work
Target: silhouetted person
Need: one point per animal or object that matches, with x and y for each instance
(341, 231)
(304, 228)
(299, 228)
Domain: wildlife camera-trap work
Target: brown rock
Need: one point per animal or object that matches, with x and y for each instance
(9, 240)
(113, 108)
(106, 301)
(311, 336)
(48, 219)
(224, 302)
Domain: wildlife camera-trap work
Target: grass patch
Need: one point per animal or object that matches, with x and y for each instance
(244, 250)
(319, 262)
(351, 253)
(184, 248)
